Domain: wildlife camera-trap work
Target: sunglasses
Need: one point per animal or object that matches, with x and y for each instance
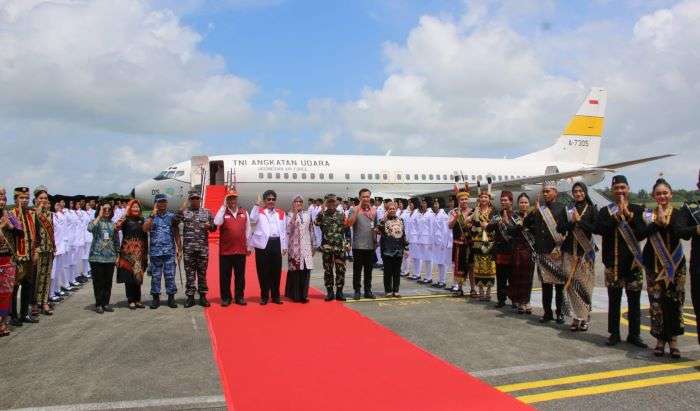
(271, 199)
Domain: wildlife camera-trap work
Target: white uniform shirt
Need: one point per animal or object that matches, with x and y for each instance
(60, 225)
(424, 226)
(440, 237)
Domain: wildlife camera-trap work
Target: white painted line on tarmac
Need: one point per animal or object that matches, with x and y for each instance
(497, 372)
(120, 405)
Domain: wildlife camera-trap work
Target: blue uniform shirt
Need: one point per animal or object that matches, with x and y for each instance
(162, 238)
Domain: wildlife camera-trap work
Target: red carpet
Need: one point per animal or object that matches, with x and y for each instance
(325, 356)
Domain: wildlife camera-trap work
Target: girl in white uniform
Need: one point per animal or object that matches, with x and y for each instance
(85, 218)
(439, 255)
(59, 260)
(74, 244)
(423, 225)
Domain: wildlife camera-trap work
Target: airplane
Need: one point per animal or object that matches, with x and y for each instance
(573, 157)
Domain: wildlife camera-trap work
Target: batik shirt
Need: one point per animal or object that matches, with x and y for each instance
(105, 243)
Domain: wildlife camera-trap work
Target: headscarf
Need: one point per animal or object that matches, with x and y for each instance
(583, 186)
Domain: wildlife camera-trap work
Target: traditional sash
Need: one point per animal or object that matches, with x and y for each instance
(47, 226)
(628, 236)
(551, 224)
(24, 241)
(669, 261)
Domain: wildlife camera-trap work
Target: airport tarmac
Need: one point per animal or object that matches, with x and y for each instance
(162, 359)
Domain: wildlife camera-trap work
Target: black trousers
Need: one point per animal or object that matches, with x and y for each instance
(503, 273)
(25, 289)
(392, 273)
(268, 263)
(362, 260)
(695, 294)
(102, 274)
(133, 292)
(633, 313)
(547, 298)
(236, 263)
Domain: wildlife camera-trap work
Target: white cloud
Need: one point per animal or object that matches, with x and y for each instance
(474, 85)
(114, 65)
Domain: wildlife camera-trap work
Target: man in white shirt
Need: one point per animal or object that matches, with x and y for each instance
(270, 242)
(423, 226)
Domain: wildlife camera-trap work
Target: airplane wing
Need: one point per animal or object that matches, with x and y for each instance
(517, 184)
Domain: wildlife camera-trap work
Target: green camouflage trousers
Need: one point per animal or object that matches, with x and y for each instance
(331, 259)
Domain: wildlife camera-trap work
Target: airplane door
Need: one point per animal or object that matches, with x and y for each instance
(217, 175)
(198, 168)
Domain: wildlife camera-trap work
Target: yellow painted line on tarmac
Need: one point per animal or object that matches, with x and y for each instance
(597, 376)
(608, 388)
(624, 321)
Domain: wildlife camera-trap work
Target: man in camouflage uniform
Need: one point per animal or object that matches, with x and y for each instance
(197, 223)
(332, 224)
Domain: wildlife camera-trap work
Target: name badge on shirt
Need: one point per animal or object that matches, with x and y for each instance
(227, 216)
(105, 235)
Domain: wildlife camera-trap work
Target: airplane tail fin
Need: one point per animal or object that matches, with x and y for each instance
(580, 141)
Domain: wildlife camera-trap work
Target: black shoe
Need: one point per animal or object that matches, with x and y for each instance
(339, 294)
(99, 310)
(171, 301)
(108, 309)
(614, 339)
(241, 301)
(636, 341)
(368, 294)
(16, 322)
(225, 302)
(357, 295)
(330, 295)
(277, 301)
(263, 301)
(30, 319)
(203, 300)
(546, 318)
(155, 303)
(560, 319)
(190, 301)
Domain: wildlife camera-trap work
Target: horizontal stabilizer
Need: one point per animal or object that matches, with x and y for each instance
(615, 166)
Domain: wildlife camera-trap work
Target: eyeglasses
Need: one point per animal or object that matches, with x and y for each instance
(298, 201)
(271, 199)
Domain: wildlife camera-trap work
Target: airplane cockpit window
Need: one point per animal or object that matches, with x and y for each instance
(161, 176)
(170, 174)
(180, 173)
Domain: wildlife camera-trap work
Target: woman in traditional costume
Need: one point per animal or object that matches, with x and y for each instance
(578, 255)
(133, 253)
(9, 228)
(520, 282)
(664, 262)
(484, 266)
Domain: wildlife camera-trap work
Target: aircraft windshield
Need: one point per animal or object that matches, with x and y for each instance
(161, 176)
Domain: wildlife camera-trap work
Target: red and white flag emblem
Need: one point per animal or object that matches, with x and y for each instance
(592, 101)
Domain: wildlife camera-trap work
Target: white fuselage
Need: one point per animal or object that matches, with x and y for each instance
(313, 176)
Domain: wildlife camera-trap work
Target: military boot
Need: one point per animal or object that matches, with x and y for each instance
(190, 301)
(171, 301)
(156, 301)
(330, 296)
(339, 295)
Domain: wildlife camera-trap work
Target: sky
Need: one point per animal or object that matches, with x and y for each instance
(99, 95)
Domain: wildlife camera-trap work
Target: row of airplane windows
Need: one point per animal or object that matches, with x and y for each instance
(383, 176)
